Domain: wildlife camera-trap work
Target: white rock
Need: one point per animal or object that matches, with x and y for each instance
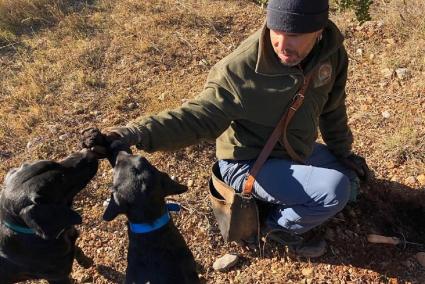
(421, 179)
(106, 202)
(387, 72)
(402, 73)
(132, 105)
(64, 136)
(190, 183)
(53, 128)
(161, 97)
(359, 52)
(225, 262)
(33, 142)
(386, 114)
(203, 62)
(410, 180)
(307, 271)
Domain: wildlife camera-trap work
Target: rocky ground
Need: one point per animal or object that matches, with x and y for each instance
(110, 62)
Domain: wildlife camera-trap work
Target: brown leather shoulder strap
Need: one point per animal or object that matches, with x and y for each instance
(274, 137)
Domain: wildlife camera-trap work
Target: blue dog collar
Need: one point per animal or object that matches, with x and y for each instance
(19, 229)
(143, 228)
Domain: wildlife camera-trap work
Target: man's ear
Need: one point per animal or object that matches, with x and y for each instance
(170, 186)
(49, 221)
(113, 210)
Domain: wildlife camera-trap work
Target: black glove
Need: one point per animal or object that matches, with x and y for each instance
(358, 165)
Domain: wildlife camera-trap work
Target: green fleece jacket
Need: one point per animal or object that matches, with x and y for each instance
(246, 94)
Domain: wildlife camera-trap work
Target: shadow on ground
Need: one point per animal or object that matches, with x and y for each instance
(385, 208)
(111, 274)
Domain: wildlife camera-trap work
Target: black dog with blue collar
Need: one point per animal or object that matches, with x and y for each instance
(157, 252)
(37, 234)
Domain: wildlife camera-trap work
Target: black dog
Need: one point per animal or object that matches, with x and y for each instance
(157, 252)
(37, 237)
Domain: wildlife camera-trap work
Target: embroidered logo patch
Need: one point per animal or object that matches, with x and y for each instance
(324, 75)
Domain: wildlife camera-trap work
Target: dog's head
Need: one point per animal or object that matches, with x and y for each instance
(39, 194)
(139, 190)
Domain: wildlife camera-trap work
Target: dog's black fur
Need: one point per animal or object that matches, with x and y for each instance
(139, 189)
(39, 196)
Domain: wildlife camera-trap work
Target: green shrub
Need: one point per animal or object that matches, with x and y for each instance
(360, 7)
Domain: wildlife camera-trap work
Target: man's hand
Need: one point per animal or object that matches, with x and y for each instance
(358, 165)
(98, 142)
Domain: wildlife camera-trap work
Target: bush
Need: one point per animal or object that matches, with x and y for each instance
(360, 7)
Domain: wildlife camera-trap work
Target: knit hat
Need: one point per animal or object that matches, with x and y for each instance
(297, 16)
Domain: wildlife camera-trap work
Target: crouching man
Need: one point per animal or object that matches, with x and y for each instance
(245, 96)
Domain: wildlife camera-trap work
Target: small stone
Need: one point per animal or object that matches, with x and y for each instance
(161, 97)
(410, 180)
(190, 183)
(359, 52)
(225, 262)
(307, 271)
(95, 113)
(53, 128)
(402, 73)
(85, 278)
(391, 165)
(386, 114)
(132, 106)
(387, 72)
(420, 256)
(106, 202)
(64, 136)
(421, 179)
(372, 56)
(33, 142)
(204, 62)
(390, 41)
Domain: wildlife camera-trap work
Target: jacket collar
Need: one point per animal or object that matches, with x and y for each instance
(269, 65)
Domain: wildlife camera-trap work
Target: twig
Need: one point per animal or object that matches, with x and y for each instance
(186, 41)
(10, 44)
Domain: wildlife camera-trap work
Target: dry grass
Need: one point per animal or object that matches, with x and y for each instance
(19, 16)
(113, 61)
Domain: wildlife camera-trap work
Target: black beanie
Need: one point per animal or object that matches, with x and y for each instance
(297, 16)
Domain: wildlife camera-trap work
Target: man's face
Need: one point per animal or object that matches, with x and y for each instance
(292, 48)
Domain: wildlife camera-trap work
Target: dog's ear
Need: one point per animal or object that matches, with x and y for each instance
(114, 209)
(49, 221)
(170, 186)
